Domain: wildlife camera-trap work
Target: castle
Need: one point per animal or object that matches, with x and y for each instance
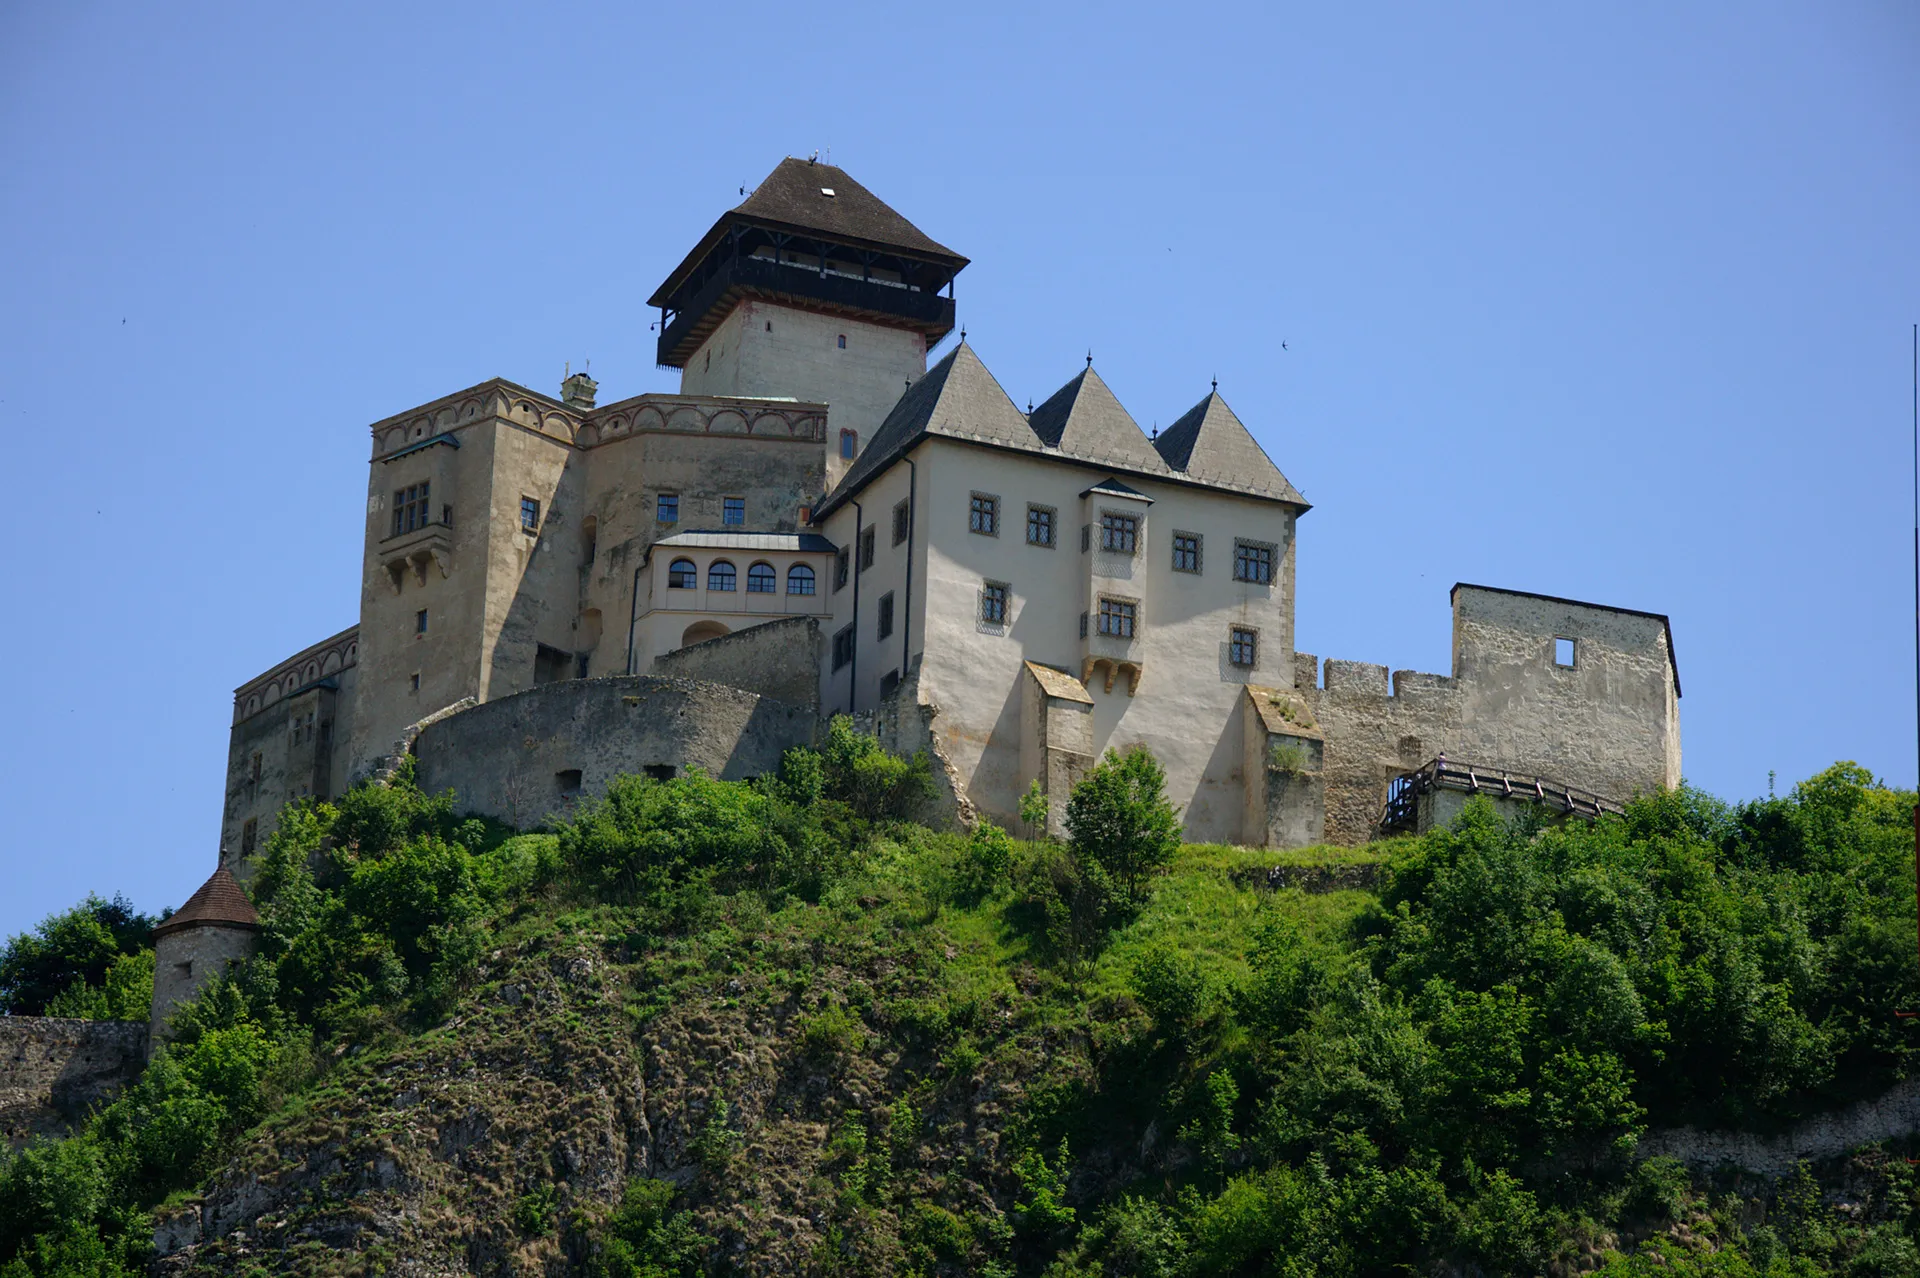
(556, 591)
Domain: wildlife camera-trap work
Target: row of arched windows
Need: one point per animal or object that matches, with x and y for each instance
(684, 574)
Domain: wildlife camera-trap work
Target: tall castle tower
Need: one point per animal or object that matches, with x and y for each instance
(811, 289)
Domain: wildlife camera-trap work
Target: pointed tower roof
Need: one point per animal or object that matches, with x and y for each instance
(220, 902)
(957, 399)
(1083, 419)
(1210, 445)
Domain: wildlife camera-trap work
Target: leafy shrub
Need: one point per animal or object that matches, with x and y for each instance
(831, 1032)
(876, 785)
(986, 861)
(1118, 817)
(534, 1214)
(643, 1238)
(632, 844)
(78, 946)
(126, 994)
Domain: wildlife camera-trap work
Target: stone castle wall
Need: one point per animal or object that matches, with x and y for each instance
(52, 1071)
(778, 659)
(538, 753)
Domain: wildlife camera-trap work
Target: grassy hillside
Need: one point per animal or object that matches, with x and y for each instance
(714, 1028)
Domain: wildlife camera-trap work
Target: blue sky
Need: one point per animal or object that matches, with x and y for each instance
(1602, 301)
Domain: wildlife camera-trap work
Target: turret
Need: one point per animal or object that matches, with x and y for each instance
(216, 928)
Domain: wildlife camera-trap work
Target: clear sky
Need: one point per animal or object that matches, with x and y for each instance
(1607, 301)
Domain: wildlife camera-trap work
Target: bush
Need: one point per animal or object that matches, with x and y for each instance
(125, 995)
(986, 861)
(644, 1239)
(632, 844)
(1118, 817)
(76, 947)
(875, 785)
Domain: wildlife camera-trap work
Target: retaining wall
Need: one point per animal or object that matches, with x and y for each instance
(53, 1070)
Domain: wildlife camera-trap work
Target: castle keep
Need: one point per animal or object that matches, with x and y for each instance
(555, 591)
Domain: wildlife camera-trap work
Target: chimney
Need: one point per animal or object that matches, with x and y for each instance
(577, 391)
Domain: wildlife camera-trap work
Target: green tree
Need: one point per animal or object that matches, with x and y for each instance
(79, 944)
(1118, 817)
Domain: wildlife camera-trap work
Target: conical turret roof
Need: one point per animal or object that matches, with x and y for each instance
(1083, 419)
(220, 902)
(1209, 444)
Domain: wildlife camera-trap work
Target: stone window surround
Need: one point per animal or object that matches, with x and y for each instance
(983, 519)
(529, 514)
(1239, 563)
(1252, 644)
(1199, 551)
(1133, 520)
(666, 508)
(1051, 525)
(728, 508)
(900, 519)
(1573, 652)
(996, 601)
(1122, 608)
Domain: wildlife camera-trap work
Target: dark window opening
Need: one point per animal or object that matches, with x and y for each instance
(983, 515)
(839, 570)
(1040, 525)
(662, 771)
(682, 575)
(886, 614)
(1253, 562)
(842, 647)
(256, 770)
(1242, 647)
(899, 523)
(1083, 625)
(580, 664)
(420, 622)
(446, 516)
(666, 508)
(529, 513)
(1186, 552)
(866, 549)
(762, 580)
(849, 443)
(410, 509)
(843, 341)
(733, 510)
(413, 681)
(248, 834)
(799, 580)
(1117, 617)
(1119, 533)
(1086, 537)
(568, 780)
(720, 575)
(590, 541)
(889, 683)
(993, 603)
(551, 665)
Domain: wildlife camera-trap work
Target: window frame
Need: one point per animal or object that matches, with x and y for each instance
(849, 444)
(884, 628)
(868, 537)
(1045, 518)
(529, 514)
(1198, 551)
(1243, 640)
(1247, 551)
(666, 508)
(843, 644)
(842, 565)
(983, 514)
(692, 575)
(1111, 530)
(996, 601)
(1573, 652)
(811, 578)
(714, 574)
(1116, 611)
(728, 505)
(412, 507)
(902, 522)
(772, 579)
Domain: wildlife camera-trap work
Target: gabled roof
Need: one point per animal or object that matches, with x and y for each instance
(1084, 419)
(1114, 488)
(791, 198)
(220, 902)
(957, 399)
(1209, 444)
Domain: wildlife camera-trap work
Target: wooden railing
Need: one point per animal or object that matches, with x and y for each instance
(1403, 796)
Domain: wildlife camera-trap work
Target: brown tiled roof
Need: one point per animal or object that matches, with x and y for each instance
(220, 902)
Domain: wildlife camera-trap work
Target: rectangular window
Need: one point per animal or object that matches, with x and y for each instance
(410, 509)
(733, 510)
(1243, 647)
(1119, 533)
(983, 515)
(1086, 537)
(1253, 561)
(1117, 618)
(256, 769)
(1083, 625)
(1040, 525)
(899, 523)
(886, 614)
(889, 683)
(666, 508)
(1186, 552)
(843, 341)
(249, 833)
(849, 444)
(446, 516)
(842, 647)
(529, 513)
(1563, 652)
(840, 570)
(420, 622)
(866, 549)
(413, 682)
(993, 603)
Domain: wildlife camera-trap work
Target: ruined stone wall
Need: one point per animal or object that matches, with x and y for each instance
(778, 659)
(52, 1071)
(538, 753)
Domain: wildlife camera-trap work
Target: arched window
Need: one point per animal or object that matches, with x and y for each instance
(849, 443)
(682, 575)
(762, 580)
(720, 575)
(799, 580)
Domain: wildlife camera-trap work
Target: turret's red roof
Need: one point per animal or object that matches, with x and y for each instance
(220, 902)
